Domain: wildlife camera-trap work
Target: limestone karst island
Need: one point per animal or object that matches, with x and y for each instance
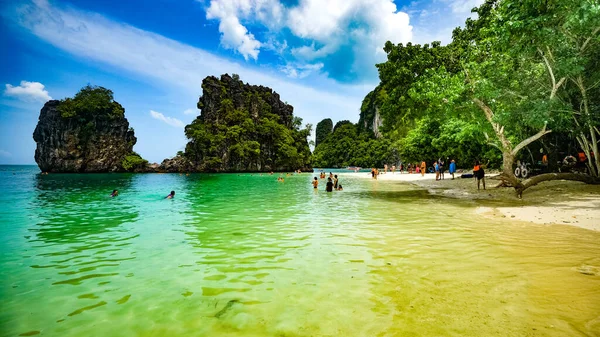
(300, 168)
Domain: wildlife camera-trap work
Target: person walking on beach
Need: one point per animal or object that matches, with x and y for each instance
(452, 168)
(329, 186)
(315, 182)
(479, 174)
(385, 167)
(436, 167)
(423, 168)
(442, 168)
(171, 195)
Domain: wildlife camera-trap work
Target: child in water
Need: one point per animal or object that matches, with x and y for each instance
(315, 182)
(171, 195)
(340, 188)
(114, 193)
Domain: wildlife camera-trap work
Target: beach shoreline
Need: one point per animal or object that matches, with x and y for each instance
(551, 203)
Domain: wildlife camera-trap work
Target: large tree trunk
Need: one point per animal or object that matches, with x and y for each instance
(525, 184)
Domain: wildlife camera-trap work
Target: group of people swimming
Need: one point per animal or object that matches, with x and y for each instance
(332, 182)
(115, 193)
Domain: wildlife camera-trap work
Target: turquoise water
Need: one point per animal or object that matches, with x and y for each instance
(245, 255)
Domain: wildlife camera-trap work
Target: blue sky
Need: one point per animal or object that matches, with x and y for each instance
(318, 55)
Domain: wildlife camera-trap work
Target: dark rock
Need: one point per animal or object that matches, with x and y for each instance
(74, 144)
(177, 164)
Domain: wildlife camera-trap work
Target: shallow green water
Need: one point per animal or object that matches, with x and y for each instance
(248, 256)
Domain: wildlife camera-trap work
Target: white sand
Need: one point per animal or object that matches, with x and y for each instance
(559, 202)
(584, 213)
(393, 176)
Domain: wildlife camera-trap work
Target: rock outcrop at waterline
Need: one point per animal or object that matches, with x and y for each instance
(88, 133)
(243, 128)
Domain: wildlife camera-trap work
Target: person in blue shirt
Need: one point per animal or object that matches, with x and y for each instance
(452, 168)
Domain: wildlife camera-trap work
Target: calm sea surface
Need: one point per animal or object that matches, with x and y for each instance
(245, 255)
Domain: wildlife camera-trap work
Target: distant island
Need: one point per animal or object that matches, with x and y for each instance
(241, 128)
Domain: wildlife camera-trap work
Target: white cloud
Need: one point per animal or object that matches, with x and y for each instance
(300, 71)
(28, 91)
(169, 120)
(236, 36)
(331, 25)
(191, 112)
(5, 154)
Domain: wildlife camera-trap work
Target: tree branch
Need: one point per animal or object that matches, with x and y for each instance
(531, 140)
(589, 39)
(554, 176)
(555, 85)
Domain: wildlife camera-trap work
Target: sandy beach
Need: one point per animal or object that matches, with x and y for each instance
(554, 202)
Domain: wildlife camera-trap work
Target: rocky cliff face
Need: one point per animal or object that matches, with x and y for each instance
(77, 144)
(370, 118)
(245, 127)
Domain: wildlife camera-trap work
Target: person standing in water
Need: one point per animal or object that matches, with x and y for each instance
(335, 181)
(329, 186)
(171, 195)
(114, 193)
(315, 183)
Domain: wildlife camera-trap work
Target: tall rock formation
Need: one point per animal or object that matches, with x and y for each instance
(324, 129)
(245, 127)
(88, 133)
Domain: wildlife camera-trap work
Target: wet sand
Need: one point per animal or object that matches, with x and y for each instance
(554, 202)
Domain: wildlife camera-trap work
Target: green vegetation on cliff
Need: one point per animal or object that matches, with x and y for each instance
(133, 162)
(323, 130)
(91, 102)
(245, 128)
(348, 146)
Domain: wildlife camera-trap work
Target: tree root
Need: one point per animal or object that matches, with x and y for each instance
(525, 184)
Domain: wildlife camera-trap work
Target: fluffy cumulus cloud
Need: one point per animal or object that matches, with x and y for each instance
(169, 120)
(344, 37)
(28, 91)
(236, 36)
